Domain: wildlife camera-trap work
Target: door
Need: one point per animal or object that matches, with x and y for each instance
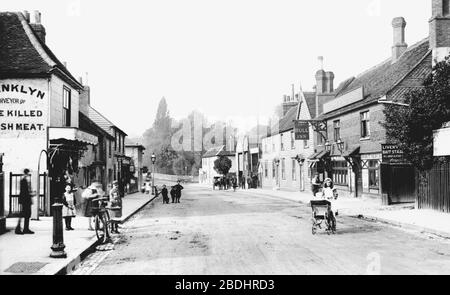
(358, 183)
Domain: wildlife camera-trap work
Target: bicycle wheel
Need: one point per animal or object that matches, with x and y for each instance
(108, 222)
(101, 229)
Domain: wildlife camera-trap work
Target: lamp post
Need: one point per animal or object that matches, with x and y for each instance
(153, 173)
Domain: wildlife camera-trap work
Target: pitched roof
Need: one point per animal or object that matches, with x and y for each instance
(379, 80)
(310, 98)
(216, 152)
(23, 54)
(101, 121)
(287, 122)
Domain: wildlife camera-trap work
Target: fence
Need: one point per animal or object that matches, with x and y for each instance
(14, 191)
(434, 188)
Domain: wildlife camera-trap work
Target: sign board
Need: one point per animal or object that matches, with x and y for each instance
(441, 142)
(23, 109)
(301, 130)
(391, 153)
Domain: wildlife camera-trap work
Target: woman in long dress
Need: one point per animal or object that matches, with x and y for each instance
(69, 210)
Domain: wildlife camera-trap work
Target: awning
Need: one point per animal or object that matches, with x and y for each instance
(320, 155)
(352, 152)
(71, 134)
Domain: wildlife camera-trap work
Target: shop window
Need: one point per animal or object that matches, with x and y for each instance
(283, 169)
(66, 107)
(294, 170)
(110, 148)
(337, 130)
(374, 174)
(340, 172)
(365, 126)
(292, 140)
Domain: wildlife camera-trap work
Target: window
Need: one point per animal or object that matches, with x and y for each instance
(337, 130)
(365, 128)
(374, 174)
(292, 140)
(320, 140)
(66, 107)
(340, 172)
(446, 7)
(266, 169)
(283, 169)
(273, 169)
(282, 143)
(294, 170)
(109, 148)
(305, 144)
(273, 146)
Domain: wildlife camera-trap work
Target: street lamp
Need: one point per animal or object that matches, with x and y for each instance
(153, 173)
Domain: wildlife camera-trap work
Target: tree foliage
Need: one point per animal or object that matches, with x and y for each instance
(411, 128)
(222, 165)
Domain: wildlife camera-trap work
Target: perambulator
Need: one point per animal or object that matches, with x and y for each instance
(322, 213)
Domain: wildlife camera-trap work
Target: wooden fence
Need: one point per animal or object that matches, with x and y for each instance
(433, 189)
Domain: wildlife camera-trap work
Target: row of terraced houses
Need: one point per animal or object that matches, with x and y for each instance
(347, 141)
(47, 124)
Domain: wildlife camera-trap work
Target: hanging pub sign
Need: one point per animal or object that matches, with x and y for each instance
(392, 154)
(301, 130)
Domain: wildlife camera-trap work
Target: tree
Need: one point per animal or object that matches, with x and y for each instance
(222, 165)
(411, 128)
(181, 166)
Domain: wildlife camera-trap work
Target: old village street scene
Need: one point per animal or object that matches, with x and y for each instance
(225, 137)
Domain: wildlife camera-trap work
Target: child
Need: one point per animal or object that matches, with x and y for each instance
(165, 194)
(173, 193)
(69, 207)
(115, 210)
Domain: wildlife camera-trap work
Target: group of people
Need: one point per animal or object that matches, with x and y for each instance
(225, 183)
(69, 202)
(175, 193)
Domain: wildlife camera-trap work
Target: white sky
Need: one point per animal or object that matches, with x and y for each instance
(229, 59)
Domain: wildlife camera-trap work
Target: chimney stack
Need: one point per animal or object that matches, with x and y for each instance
(440, 30)
(321, 78)
(37, 27)
(329, 81)
(26, 15)
(399, 46)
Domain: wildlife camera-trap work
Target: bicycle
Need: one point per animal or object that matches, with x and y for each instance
(102, 220)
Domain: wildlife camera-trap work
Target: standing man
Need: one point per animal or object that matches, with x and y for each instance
(26, 202)
(178, 187)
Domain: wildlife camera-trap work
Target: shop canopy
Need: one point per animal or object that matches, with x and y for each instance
(70, 135)
(352, 152)
(319, 156)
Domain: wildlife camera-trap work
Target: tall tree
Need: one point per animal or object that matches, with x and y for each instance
(223, 165)
(429, 108)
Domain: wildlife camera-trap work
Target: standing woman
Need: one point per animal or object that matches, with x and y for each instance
(115, 209)
(69, 203)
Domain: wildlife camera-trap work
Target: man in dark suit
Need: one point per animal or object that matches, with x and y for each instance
(178, 187)
(25, 201)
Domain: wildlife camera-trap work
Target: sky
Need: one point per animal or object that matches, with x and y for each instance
(232, 60)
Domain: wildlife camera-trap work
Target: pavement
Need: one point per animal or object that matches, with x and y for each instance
(29, 254)
(251, 233)
(401, 215)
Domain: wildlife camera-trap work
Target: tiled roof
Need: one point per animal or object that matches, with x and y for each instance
(287, 122)
(310, 98)
(217, 151)
(20, 56)
(379, 80)
(102, 121)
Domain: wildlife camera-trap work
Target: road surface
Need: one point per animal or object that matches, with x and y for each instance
(234, 233)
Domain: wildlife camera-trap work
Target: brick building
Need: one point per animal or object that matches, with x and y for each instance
(352, 152)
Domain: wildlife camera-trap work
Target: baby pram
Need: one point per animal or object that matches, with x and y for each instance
(322, 213)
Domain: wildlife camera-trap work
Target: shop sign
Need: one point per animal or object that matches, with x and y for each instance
(22, 109)
(391, 153)
(301, 130)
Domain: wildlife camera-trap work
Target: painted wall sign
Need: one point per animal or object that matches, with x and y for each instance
(441, 142)
(391, 153)
(301, 130)
(23, 107)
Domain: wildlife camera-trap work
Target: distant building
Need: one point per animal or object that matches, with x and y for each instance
(207, 172)
(136, 153)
